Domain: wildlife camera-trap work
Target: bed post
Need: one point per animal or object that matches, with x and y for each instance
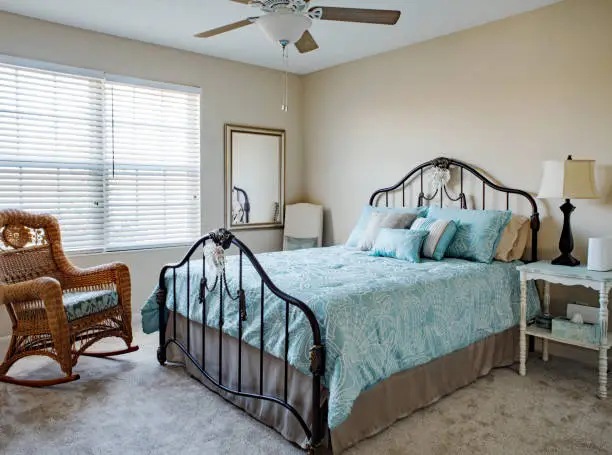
(317, 368)
(161, 302)
(535, 227)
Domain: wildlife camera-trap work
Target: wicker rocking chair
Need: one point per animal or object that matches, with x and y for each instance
(56, 309)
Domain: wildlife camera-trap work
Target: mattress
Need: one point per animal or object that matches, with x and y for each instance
(378, 316)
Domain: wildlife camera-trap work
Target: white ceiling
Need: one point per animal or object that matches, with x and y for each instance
(174, 22)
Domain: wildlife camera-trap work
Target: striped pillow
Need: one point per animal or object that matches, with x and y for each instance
(441, 234)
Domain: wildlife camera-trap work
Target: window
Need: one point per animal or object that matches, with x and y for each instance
(116, 160)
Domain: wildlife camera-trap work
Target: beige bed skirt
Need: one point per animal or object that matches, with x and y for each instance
(374, 410)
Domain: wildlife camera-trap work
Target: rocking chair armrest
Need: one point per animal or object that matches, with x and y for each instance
(43, 288)
(114, 273)
(46, 289)
(49, 291)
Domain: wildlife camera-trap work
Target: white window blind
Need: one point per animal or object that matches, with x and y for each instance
(153, 166)
(51, 139)
(117, 163)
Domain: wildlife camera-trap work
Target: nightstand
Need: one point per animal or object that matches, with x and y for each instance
(569, 276)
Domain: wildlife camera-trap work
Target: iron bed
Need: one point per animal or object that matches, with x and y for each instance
(180, 335)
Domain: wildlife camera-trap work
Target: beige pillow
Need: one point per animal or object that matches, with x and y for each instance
(510, 238)
(379, 220)
(519, 248)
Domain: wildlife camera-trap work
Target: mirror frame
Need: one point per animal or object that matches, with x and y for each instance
(230, 129)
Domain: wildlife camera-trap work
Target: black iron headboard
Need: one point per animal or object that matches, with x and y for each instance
(446, 164)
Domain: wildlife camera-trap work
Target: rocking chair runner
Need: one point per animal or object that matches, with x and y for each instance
(57, 309)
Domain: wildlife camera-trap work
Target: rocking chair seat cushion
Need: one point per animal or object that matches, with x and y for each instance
(81, 304)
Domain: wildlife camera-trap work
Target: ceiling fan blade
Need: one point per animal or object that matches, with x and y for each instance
(306, 43)
(226, 28)
(244, 2)
(368, 16)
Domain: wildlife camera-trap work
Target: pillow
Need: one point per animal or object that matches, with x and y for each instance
(296, 243)
(379, 220)
(357, 232)
(510, 238)
(440, 235)
(478, 231)
(404, 244)
(519, 249)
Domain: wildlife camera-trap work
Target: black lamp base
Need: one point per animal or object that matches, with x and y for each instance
(566, 259)
(566, 242)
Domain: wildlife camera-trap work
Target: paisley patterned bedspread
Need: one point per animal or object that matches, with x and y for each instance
(378, 316)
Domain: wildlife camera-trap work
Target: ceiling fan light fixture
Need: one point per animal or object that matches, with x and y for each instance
(284, 27)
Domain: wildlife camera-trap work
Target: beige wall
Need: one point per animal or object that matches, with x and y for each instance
(231, 92)
(504, 96)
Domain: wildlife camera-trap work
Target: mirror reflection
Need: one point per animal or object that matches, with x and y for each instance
(254, 177)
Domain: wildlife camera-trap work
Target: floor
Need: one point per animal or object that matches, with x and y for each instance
(131, 405)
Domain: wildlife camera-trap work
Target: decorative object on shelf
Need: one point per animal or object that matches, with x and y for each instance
(544, 321)
(577, 319)
(569, 179)
(600, 254)
(588, 313)
(576, 331)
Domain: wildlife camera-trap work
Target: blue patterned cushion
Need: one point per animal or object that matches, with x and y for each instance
(360, 228)
(404, 244)
(81, 304)
(478, 231)
(440, 235)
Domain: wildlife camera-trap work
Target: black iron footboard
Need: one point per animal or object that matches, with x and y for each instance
(226, 239)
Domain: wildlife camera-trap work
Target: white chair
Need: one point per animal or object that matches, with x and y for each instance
(303, 226)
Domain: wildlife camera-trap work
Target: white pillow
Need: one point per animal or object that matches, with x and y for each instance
(379, 220)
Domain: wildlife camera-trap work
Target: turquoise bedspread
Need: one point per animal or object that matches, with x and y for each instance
(378, 316)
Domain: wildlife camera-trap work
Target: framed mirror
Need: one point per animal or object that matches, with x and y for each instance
(254, 177)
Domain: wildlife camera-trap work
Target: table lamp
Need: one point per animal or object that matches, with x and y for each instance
(569, 179)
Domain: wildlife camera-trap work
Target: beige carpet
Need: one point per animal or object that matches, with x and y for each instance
(133, 406)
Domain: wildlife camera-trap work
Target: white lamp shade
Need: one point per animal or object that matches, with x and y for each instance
(284, 26)
(569, 179)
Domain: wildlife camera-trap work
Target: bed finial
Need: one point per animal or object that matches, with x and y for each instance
(222, 237)
(317, 360)
(441, 163)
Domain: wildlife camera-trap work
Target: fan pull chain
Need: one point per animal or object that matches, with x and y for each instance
(285, 104)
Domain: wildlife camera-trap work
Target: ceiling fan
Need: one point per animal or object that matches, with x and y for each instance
(288, 21)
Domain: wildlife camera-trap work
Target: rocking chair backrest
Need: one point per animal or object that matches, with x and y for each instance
(30, 246)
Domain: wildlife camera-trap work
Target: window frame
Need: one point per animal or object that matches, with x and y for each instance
(115, 78)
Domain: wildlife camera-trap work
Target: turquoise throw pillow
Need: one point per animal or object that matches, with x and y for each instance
(404, 244)
(440, 235)
(359, 229)
(478, 232)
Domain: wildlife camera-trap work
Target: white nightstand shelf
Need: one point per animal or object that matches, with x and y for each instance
(568, 276)
(545, 334)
